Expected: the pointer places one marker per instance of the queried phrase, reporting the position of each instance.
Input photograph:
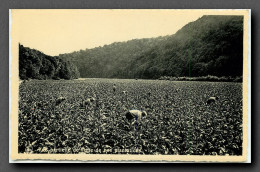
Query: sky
(56, 32)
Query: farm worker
(212, 100)
(135, 114)
(114, 87)
(86, 102)
(60, 100)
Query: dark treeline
(36, 65)
(211, 45)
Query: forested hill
(36, 65)
(211, 45)
(111, 60)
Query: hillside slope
(211, 45)
(110, 60)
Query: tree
(36, 65)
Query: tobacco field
(179, 122)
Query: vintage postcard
(130, 85)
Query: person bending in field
(114, 87)
(135, 115)
(212, 100)
(60, 100)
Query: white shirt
(136, 113)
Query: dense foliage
(36, 65)
(211, 45)
(178, 122)
(110, 60)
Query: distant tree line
(211, 45)
(36, 65)
(204, 78)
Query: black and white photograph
(121, 85)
